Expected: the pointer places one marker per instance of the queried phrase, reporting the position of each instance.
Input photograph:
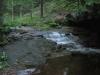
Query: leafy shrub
(3, 60)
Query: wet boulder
(60, 19)
(21, 29)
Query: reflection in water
(73, 65)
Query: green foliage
(85, 17)
(51, 7)
(3, 38)
(35, 21)
(92, 1)
(3, 60)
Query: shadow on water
(73, 65)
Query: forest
(44, 37)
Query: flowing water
(59, 54)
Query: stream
(53, 52)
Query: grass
(35, 21)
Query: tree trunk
(12, 11)
(41, 8)
(82, 2)
(1, 13)
(1, 22)
(21, 12)
(32, 9)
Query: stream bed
(50, 52)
